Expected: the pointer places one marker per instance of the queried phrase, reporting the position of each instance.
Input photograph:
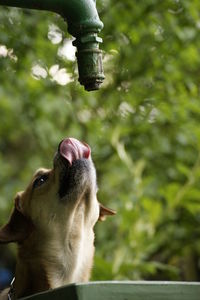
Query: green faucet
(84, 24)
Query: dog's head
(57, 198)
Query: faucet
(84, 24)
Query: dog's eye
(40, 180)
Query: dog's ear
(18, 227)
(105, 211)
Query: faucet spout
(84, 24)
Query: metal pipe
(84, 24)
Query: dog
(52, 223)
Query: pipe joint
(89, 58)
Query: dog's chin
(74, 179)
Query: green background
(142, 126)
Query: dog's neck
(30, 279)
(54, 262)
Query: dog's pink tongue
(72, 149)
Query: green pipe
(84, 24)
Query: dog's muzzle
(74, 164)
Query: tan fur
(56, 238)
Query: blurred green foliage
(142, 125)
